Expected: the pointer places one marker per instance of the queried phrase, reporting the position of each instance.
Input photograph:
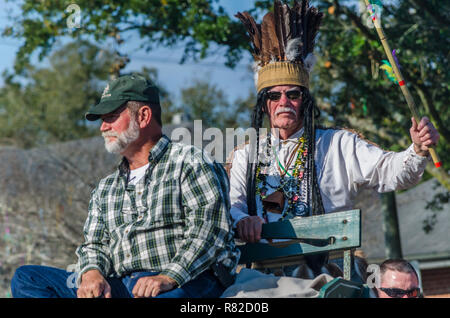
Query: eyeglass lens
(292, 95)
(395, 292)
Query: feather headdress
(283, 43)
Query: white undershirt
(137, 174)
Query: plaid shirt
(175, 220)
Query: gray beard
(123, 140)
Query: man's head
(398, 280)
(284, 107)
(129, 105)
(123, 126)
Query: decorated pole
(409, 99)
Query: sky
(172, 75)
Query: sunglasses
(292, 95)
(398, 293)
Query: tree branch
(356, 20)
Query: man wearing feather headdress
(298, 169)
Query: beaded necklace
(289, 186)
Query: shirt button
(128, 255)
(140, 217)
(139, 192)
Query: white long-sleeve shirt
(345, 164)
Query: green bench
(340, 231)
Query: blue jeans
(32, 281)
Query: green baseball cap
(121, 90)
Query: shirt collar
(154, 155)
(292, 138)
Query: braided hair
(257, 122)
(311, 114)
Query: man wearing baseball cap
(159, 226)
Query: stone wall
(44, 195)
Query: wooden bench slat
(345, 227)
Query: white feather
(293, 49)
(256, 67)
(309, 62)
